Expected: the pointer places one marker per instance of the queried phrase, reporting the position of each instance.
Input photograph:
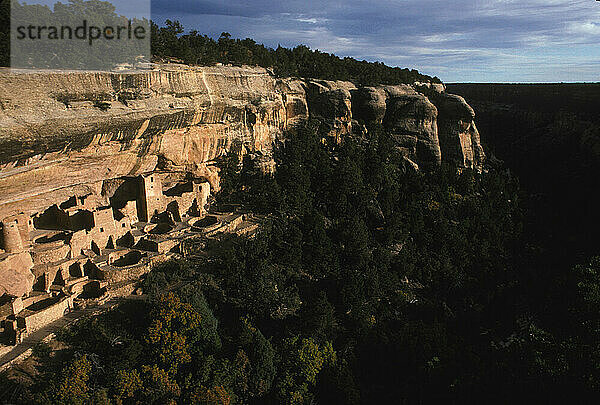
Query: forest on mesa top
(301, 61)
(171, 41)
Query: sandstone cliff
(75, 145)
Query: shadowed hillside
(549, 135)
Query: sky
(456, 40)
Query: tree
(303, 360)
(262, 359)
(73, 387)
(128, 383)
(174, 323)
(207, 339)
(214, 396)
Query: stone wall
(58, 249)
(33, 321)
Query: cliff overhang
(94, 164)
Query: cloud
(550, 40)
(585, 28)
(312, 20)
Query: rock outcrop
(86, 157)
(331, 103)
(459, 139)
(411, 118)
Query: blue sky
(457, 40)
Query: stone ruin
(84, 246)
(91, 198)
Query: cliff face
(105, 125)
(91, 135)
(460, 143)
(408, 115)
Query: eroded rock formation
(459, 138)
(102, 173)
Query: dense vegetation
(196, 49)
(549, 136)
(367, 284)
(48, 52)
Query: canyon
(105, 174)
